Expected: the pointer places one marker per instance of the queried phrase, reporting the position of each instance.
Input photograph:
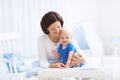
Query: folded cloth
(8, 55)
(14, 57)
(36, 64)
(32, 72)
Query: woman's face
(54, 29)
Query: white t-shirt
(45, 46)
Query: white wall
(105, 16)
(108, 22)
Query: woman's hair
(50, 18)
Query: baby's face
(65, 38)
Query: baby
(66, 49)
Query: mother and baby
(56, 47)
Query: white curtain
(23, 17)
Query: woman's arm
(42, 53)
(57, 65)
(77, 59)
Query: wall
(108, 22)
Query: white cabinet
(112, 67)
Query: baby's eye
(67, 37)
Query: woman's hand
(77, 59)
(57, 65)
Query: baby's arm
(54, 52)
(69, 59)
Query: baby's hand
(55, 53)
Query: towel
(32, 72)
(90, 64)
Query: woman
(51, 24)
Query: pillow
(79, 35)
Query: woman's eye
(53, 29)
(59, 27)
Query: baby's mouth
(64, 41)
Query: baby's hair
(66, 30)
